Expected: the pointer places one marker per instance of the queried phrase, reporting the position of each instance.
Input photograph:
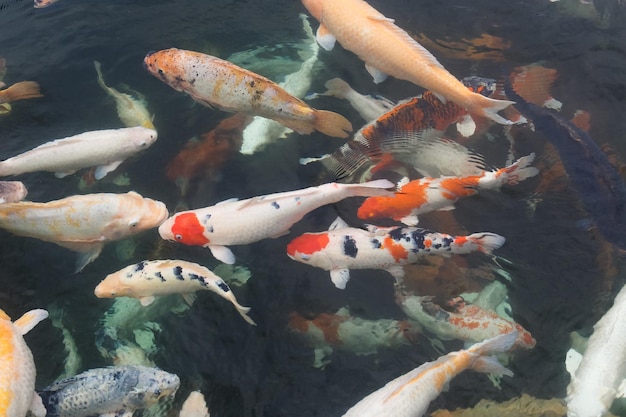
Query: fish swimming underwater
(342, 248)
(12, 191)
(83, 223)
(600, 375)
(410, 395)
(148, 279)
(132, 112)
(112, 391)
(599, 185)
(429, 194)
(17, 367)
(239, 222)
(105, 149)
(389, 50)
(20, 91)
(40, 4)
(213, 82)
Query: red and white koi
(83, 223)
(410, 394)
(342, 248)
(240, 222)
(429, 194)
(463, 321)
(17, 366)
(214, 82)
(148, 279)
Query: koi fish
(12, 191)
(83, 223)
(132, 112)
(116, 390)
(599, 185)
(410, 395)
(213, 82)
(239, 222)
(389, 50)
(342, 248)
(40, 4)
(411, 133)
(17, 367)
(461, 320)
(598, 380)
(148, 279)
(429, 194)
(20, 91)
(106, 149)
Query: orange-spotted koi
(214, 82)
(389, 50)
(463, 321)
(239, 222)
(17, 366)
(342, 248)
(410, 394)
(429, 194)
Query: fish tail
(20, 91)
(243, 311)
(331, 124)
(487, 242)
(485, 363)
(336, 87)
(489, 107)
(96, 64)
(520, 170)
(371, 188)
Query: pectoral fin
(63, 174)
(325, 38)
(410, 220)
(223, 254)
(466, 126)
(36, 406)
(102, 170)
(85, 257)
(189, 297)
(146, 301)
(376, 74)
(340, 277)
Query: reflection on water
(560, 275)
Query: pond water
(560, 274)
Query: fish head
(311, 248)
(135, 214)
(142, 137)
(113, 286)
(184, 227)
(314, 7)
(152, 385)
(168, 66)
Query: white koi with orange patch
(429, 194)
(17, 367)
(239, 222)
(214, 82)
(83, 223)
(410, 395)
(343, 248)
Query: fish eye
(133, 224)
(179, 237)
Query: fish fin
(330, 123)
(30, 320)
(381, 19)
(446, 208)
(378, 230)
(21, 91)
(336, 87)
(404, 181)
(223, 254)
(500, 343)
(397, 271)
(376, 74)
(490, 365)
(189, 297)
(63, 174)
(621, 390)
(572, 361)
(146, 301)
(230, 200)
(371, 188)
(487, 242)
(340, 277)
(521, 169)
(338, 223)
(102, 170)
(325, 39)
(36, 406)
(489, 107)
(440, 97)
(306, 161)
(84, 258)
(243, 313)
(410, 220)
(466, 126)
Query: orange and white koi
(461, 320)
(239, 222)
(17, 366)
(410, 394)
(214, 82)
(342, 248)
(389, 50)
(83, 223)
(429, 194)
(148, 279)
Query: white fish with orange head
(105, 149)
(148, 279)
(214, 82)
(83, 223)
(389, 50)
(239, 222)
(17, 366)
(410, 394)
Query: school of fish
(408, 159)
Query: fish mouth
(145, 60)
